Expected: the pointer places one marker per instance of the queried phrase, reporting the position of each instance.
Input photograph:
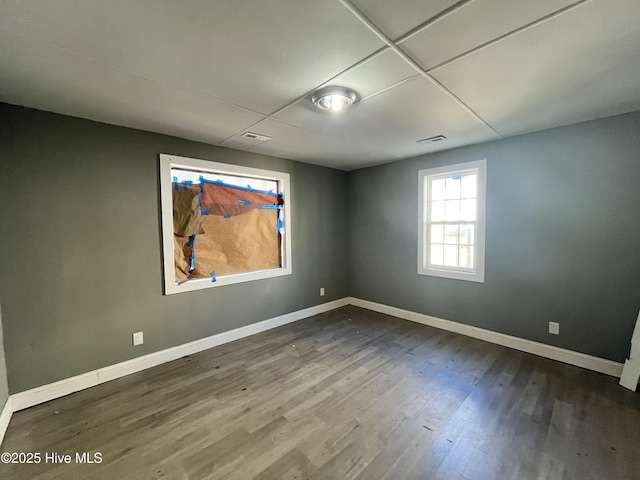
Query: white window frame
(167, 162)
(472, 275)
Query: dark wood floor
(350, 394)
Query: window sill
(452, 274)
(202, 283)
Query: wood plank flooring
(350, 394)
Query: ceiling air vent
(437, 138)
(256, 136)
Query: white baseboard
(630, 374)
(578, 359)
(5, 418)
(42, 394)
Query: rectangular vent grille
(437, 138)
(255, 136)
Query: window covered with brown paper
(187, 219)
(226, 230)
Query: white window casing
(451, 221)
(169, 165)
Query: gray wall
(562, 240)
(4, 387)
(81, 258)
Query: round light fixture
(334, 99)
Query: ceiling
(472, 70)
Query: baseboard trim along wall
(35, 396)
(42, 394)
(578, 359)
(5, 418)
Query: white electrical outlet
(554, 328)
(322, 291)
(138, 339)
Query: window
(452, 221)
(222, 224)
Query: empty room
(335, 239)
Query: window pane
(452, 210)
(451, 230)
(194, 177)
(452, 188)
(466, 256)
(437, 234)
(468, 188)
(227, 224)
(467, 234)
(451, 234)
(437, 189)
(468, 210)
(437, 254)
(451, 255)
(437, 211)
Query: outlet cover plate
(138, 339)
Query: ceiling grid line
(471, 70)
(432, 21)
(374, 28)
(352, 67)
(390, 87)
(510, 34)
(311, 131)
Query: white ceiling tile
(398, 17)
(260, 55)
(383, 71)
(475, 24)
(377, 74)
(396, 119)
(208, 71)
(77, 87)
(238, 142)
(317, 147)
(582, 65)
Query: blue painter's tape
(269, 206)
(213, 276)
(175, 183)
(203, 211)
(244, 202)
(192, 257)
(226, 215)
(235, 187)
(280, 225)
(456, 177)
(186, 184)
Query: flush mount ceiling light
(334, 99)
